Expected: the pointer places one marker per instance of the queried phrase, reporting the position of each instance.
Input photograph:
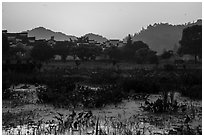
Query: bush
(105, 77)
(194, 92)
(145, 85)
(162, 105)
(6, 94)
(58, 93)
(191, 84)
(169, 67)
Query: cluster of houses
(106, 44)
(22, 40)
(103, 45)
(15, 38)
(25, 42)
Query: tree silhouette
(141, 55)
(5, 45)
(114, 53)
(145, 55)
(129, 41)
(86, 52)
(62, 48)
(167, 54)
(17, 49)
(132, 47)
(191, 42)
(41, 52)
(138, 45)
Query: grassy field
(125, 118)
(109, 65)
(118, 106)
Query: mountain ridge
(162, 36)
(96, 37)
(158, 36)
(44, 33)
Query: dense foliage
(41, 51)
(191, 42)
(113, 86)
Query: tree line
(137, 51)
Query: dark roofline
(23, 33)
(31, 38)
(16, 34)
(12, 34)
(114, 40)
(41, 40)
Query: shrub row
(62, 91)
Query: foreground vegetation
(70, 81)
(86, 123)
(96, 88)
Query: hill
(163, 35)
(43, 33)
(96, 37)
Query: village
(101, 68)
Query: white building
(69, 58)
(188, 57)
(57, 57)
(114, 42)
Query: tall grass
(72, 125)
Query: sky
(112, 20)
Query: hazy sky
(112, 20)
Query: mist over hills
(163, 35)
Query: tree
(152, 57)
(129, 50)
(41, 51)
(141, 55)
(138, 45)
(191, 42)
(145, 55)
(16, 51)
(5, 45)
(86, 52)
(129, 41)
(114, 53)
(62, 48)
(167, 54)
(82, 52)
